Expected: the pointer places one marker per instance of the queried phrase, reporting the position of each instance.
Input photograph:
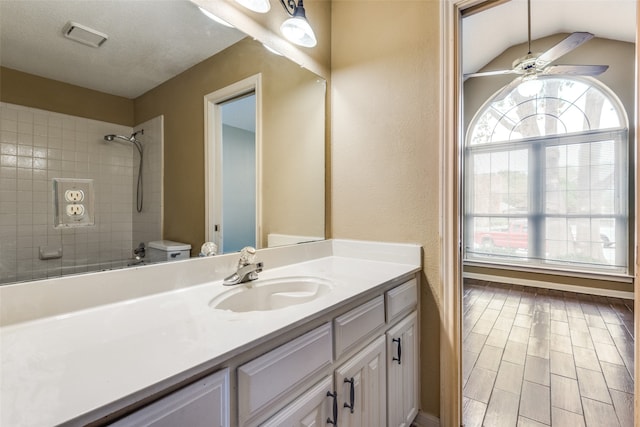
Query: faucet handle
(247, 256)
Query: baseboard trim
(426, 420)
(550, 285)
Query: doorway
(232, 165)
(237, 227)
(523, 361)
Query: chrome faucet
(247, 269)
(138, 255)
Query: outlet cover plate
(73, 211)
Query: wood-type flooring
(540, 357)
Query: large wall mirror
(93, 92)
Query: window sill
(566, 272)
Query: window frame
(536, 214)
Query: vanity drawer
(264, 381)
(401, 299)
(356, 324)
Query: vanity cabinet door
(402, 370)
(313, 408)
(204, 403)
(361, 387)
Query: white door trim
(212, 154)
(450, 346)
(636, 179)
(450, 207)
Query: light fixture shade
(214, 17)
(529, 87)
(260, 6)
(272, 50)
(297, 30)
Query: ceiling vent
(83, 34)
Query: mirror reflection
(61, 99)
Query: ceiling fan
(534, 64)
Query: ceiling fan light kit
(533, 65)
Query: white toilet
(167, 250)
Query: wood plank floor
(539, 357)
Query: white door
(361, 387)
(402, 372)
(311, 409)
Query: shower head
(132, 139)
(112, 137)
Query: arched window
(546, 177)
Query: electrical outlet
(73, 202)
(75, 210)
(73, 196)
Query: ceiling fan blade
(565, 46)
(507, 90)
(576, 70)
(489, 73)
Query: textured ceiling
(487, 34)
(149, 41)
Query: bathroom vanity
(169, 345)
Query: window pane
(602, 153)
(500, 182)
(483, 131)
(580, 179)
(602, 177)
(581, 241)
(602, 202)
(503, 237)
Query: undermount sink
(271, 294)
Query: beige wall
(29, 90)
(293, 187)
(293, 141)
(384, 143)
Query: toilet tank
(167, 250)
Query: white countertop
(57, 368)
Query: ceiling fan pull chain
(529, 24)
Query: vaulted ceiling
(487, 34)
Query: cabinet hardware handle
(334, 395)
(352, 394)
(399, 350)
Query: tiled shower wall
(37, 146)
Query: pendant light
(296, 29)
